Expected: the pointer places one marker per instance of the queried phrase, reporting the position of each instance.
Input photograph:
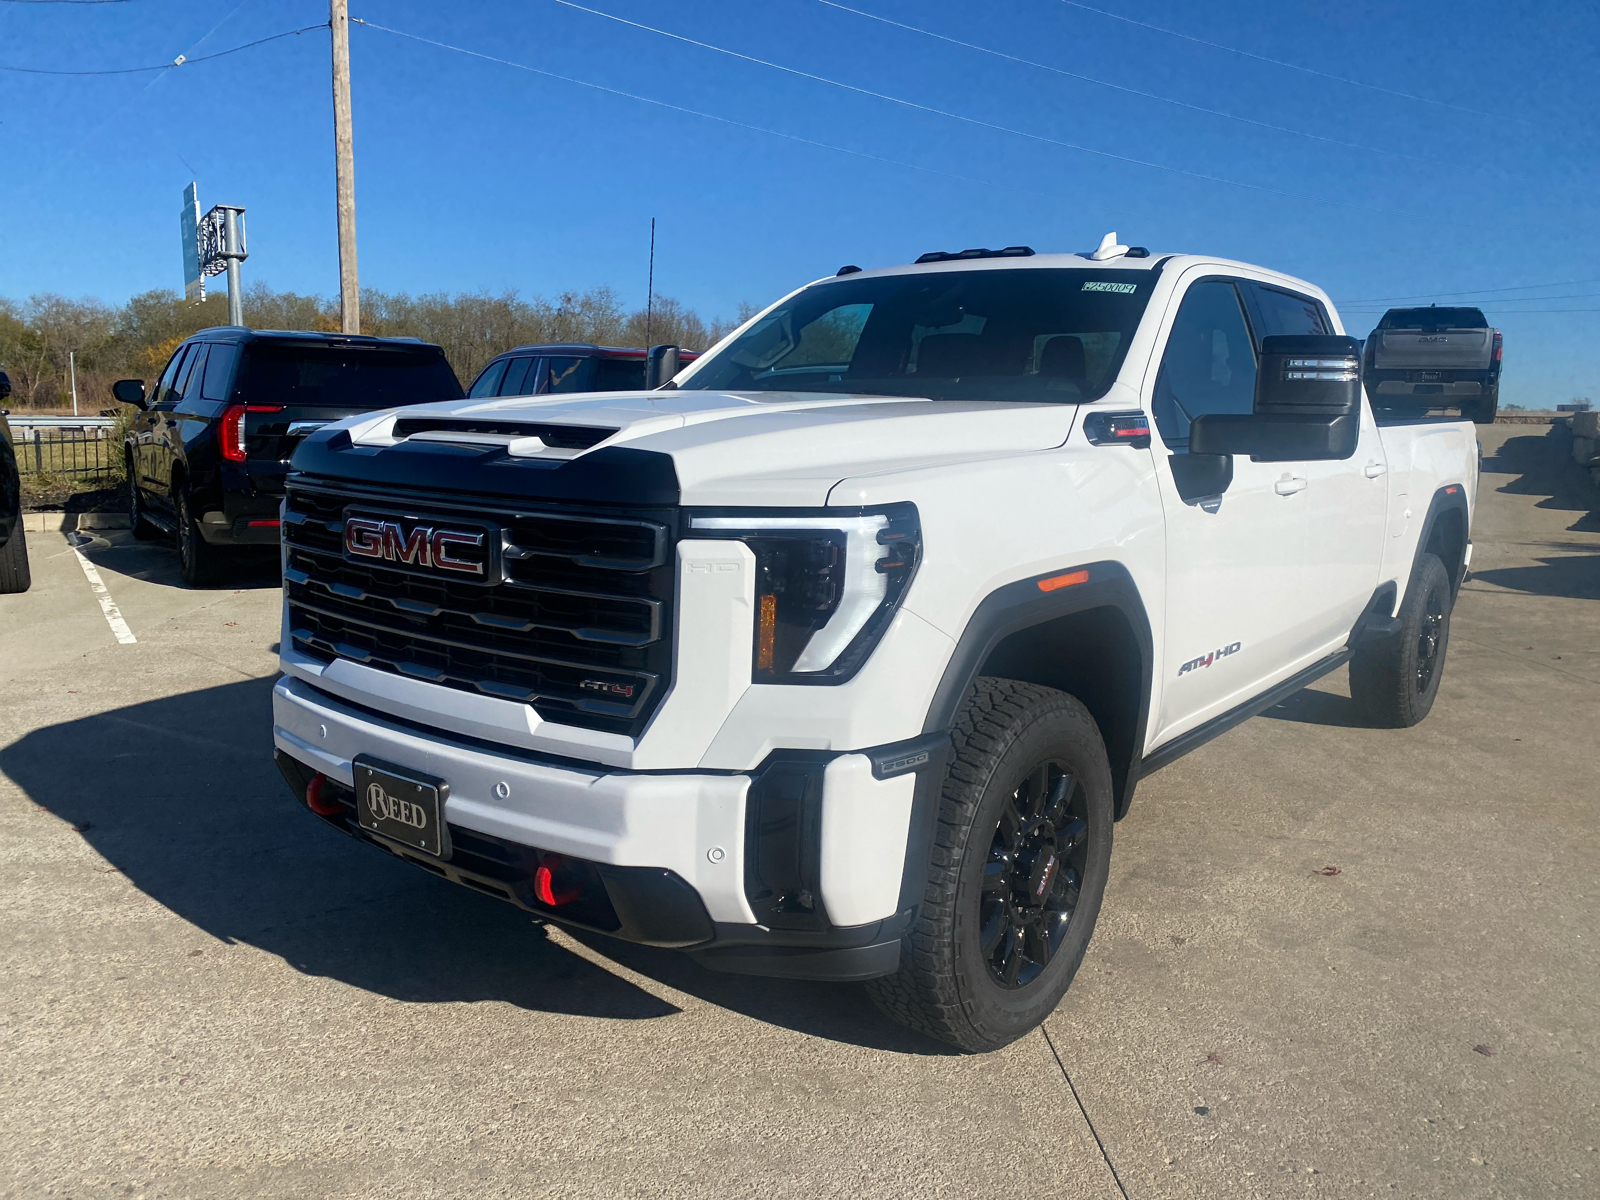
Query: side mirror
(660, 365)
(1307, 405)
(5, 386)
(129, 391)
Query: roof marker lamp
(827, 586)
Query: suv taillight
(230, 433)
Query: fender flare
(1450, 497)
(1026, 603)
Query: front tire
(137, 521)
(199, 562)
(14, 573)
(1020, 860)
(1394, 682)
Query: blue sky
(474, 175)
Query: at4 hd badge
(1205, 660)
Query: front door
(1236, 620)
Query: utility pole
(345, 155)
(72, 369)
(233, 251)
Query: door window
(519, 378)
(194, 369)
(488, 383)
(568, 375)
(1209, 365)
(164, 391)
(1288, 312)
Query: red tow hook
(544, 883)
(315, 802)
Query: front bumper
(796, 869)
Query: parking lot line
(108, 606)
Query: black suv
(568, 367)
(13, 543)
(208, 452)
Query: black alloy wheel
(1017, 871)
(1395, 679)
(141, 526)
(1430, 640)
(1034, 874)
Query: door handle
(1374, 469)
(1289, 485)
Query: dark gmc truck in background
(1438, 357)
(207, 455)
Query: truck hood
(764, 448)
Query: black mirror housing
(129, 391)
(660, 365)
(1306, 375)
(1275, 437)
(1307, 404)
(5, 386)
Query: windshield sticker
(1122, 289)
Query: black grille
(577, 622)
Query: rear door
(1235, 620)
(1346, 500)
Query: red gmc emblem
(424, 546)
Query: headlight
(827, 584)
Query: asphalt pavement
(1333, 961)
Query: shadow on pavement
(182, 797)
(1574, 576)
(1317, 708)
(248, 569)
(1544, 467)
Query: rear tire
(199, 562)
(1394, 681)
(14, 574)
(1020, 859)
(1484, 409)
(137, 521)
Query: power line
(65, 1)
(180, 61)
(1037, 137)
(694, 112)
(1131, 91)
(1291, 66)
(1521, 287)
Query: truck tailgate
(1457, 349)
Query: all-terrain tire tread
(923, 993)
(15, 575)
(1381, 676)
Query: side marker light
(1056, 582)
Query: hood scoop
(520, 439)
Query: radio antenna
(650, 287)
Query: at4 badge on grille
(453, 549)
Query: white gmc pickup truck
(839, 655)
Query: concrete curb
(61, 522)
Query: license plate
(403, 805)
(1429, 376)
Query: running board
(1170, 752)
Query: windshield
(1033, 334)
(348, 377)
(1433, 318)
